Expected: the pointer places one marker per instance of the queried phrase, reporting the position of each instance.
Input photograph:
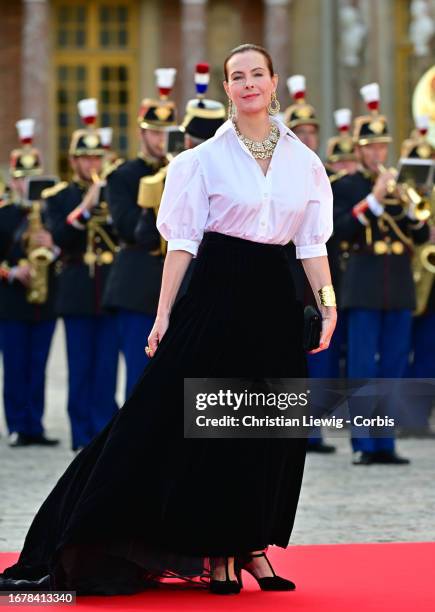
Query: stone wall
(10, 77)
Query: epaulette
(338, 175)
(52, 191)
(112, 167)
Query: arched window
(95, 55)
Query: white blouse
(218, 186)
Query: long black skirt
(140, 501)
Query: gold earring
(231, 111)
(274, 105)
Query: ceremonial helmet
(111, 160)
(106, 137)
(299, 113)
(26, 160)
(341, 147)
(87, 140)
(203, 116)
(417, 145)
(371, 127)
(162, 113)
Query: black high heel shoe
(267, 583)
(224, 587)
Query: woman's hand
(158, 331)
(329, 321)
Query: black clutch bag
(312, 328)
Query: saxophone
(39, 258)
(424, 267)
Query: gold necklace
(260, 149)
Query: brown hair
(249, 47)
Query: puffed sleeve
(316, 225)
(184, 206)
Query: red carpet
(329, 578)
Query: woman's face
(250, 85)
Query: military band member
(301, 118)
(202, 116)
(340, 161)
(81, 225)
(27, 316)
(201, 120)
(134, 284)
(341, 158)
(377, 288)
(416, 421)
(110, 159)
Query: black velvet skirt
(140, 501)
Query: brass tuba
(39, 258)
(424, 267)
(149, 196)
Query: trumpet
(97, 178)
(100, 215)
(100, 207)
(406, 195)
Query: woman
(140, 501)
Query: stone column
(193, 45)
(354, 37)
(277, 41)
(35, 74)
(329, 77)
(381, 63)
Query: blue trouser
(378, 347)
(417, 414)
(92, 351)
(134, 329)
(326, 364)
(26, 346)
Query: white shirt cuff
(180, 244)
(375, 206)
(311, 250)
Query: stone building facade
(55, 51)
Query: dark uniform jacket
(79, 288)
(337, 255)
(335, 259)
(146, 237)
(13, 302)
(371, 280)
(135, 278)
(431, 301)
